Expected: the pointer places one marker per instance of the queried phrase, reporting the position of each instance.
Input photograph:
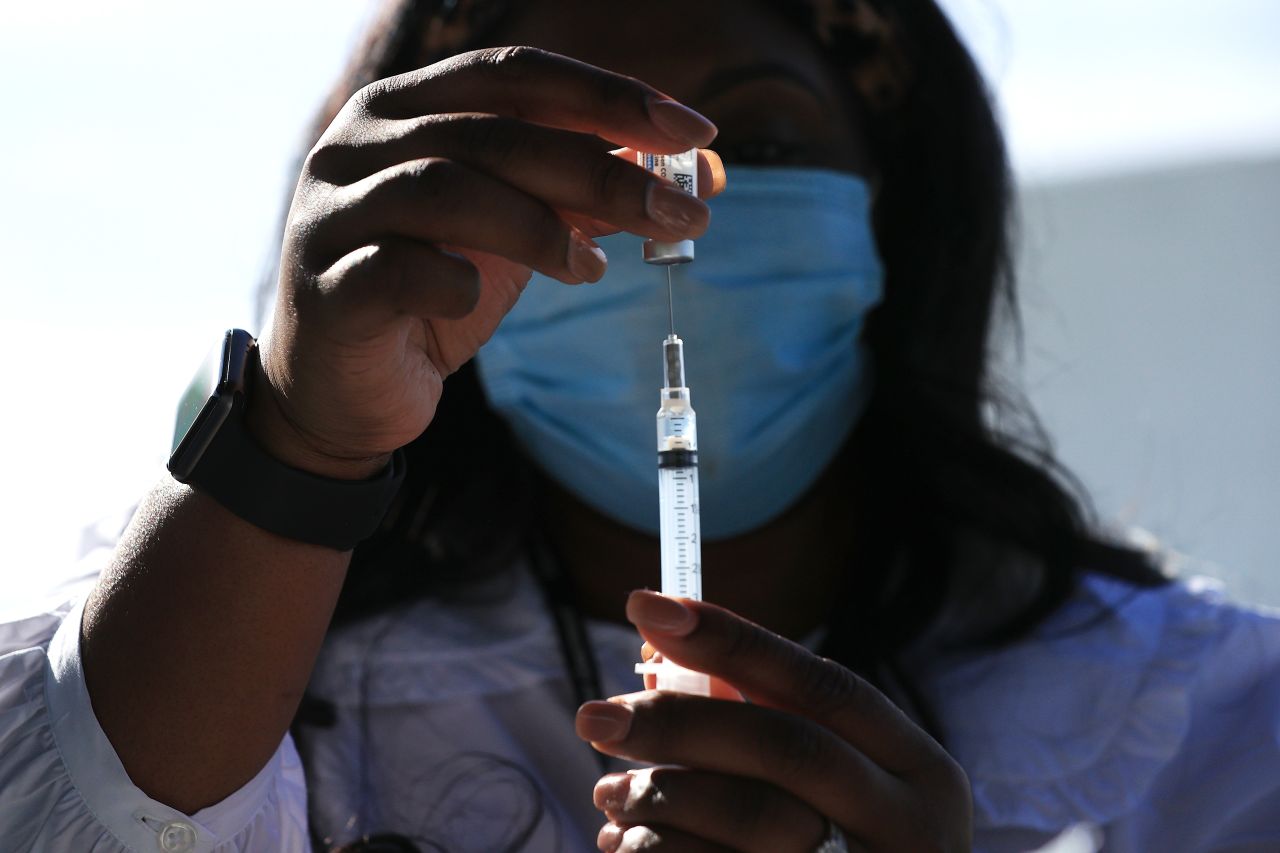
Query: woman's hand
(417, 220)
(812, 743)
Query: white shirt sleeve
(62, 786)
(1222, 791)
(1149, 716)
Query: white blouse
(1156, 727)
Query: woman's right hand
(417, 221)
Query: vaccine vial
(682, 170)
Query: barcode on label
(684, 181)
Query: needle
(671, 309)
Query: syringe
(679, 527)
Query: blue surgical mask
(770, 313)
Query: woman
(879, 513)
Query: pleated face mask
(770, 312)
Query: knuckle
(312, 228)
(613, 89)
(427, 136)
(650, 790)
(661, 719)
(741, 641)
(365, 99)
(424, 127)
(511, 61)
(826, 687)
(384, 271)
(326, 159)
(431, 179)
(751, 810)
(550, 238)
(385, 267)
(495, 136)
(791, 750)
(606, 178)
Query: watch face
(209, 399)
(200, 389)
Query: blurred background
(147, 148)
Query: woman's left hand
(813, 743)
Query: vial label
(681, 169)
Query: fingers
(568, 171)
(531, 122)
(398, 275)
(544, 88)
(720, 689)
(439, 201)
(778, 673)
(743, 814)
(754, 742)
(502, 145)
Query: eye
(762, 152)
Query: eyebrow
(719, 82)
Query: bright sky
(147, 146)
(1111, 85)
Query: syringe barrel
(681, 548)
(680, 530)
(679, 527)
(677, 423)
(682, 170)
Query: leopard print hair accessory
(864, 42)
(859, 36)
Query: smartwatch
(215, 454)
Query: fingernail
(718, 177)
(610, 793)
(586, 261)
(681, 123)
(672, 208)
(659, 613)
(602, 722)
(609, 838)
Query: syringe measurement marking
(686, 571)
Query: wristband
(218, 457)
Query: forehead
(677, 46)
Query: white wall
(1152, 308)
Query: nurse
(389, 598)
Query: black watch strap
(241, 475)
(221, 459)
